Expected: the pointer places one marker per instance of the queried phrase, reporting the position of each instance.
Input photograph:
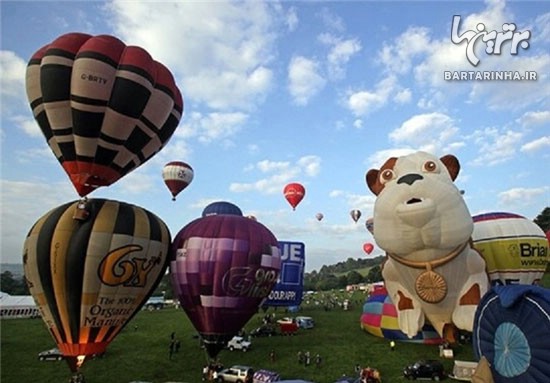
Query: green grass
(142, 354)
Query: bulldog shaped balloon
(424, 225)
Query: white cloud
(292, 19)
(403, 96)
(12, 81)
(397, 57)
(365, 101)
(305, 80)
(278, 174)
(520, 196)
(341, 51)
(536, 145)
(495, 146)
(220, 54)
(331, 21)
(532, 118)
(430, 132)
(212, 126)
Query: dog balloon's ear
(452, 165)
(372, 181)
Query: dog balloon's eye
(387, 175)
(430, 166)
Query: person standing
(318, 360)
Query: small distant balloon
(369, 224)
(319, 216)
(177, 176)
(355, 215)
(368, 247)
(294, 193)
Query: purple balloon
(222, 268)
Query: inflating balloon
(177, 176)
(221, 207)
(294, 193)
(514, 248)
(319, 216)
(222, 268)
(355, 215)
(379, 318)
(104, 108)
(89, 276)
(368, 247)
(511, 328)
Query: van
(305, 322)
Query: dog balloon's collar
(430, 286)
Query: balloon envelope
(514, 248)
(355, 215)
(379, 318)
(369, 224)
(294, 193)
(368, 247)
(319, 216)
(222, 268)
(511, 327)
(177, 176)
(104, 108)
(89, 277)
(221, 207)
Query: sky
(310, 92)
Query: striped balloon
(177, 176)
(379, 318)
(104, 108)
(90, 276)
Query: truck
(154, 303)
(239, 343)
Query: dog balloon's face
(418, 206)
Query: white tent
(17, 306)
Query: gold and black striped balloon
(90, 276)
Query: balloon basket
(81, 212)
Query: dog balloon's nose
(410, 178)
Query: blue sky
(309, 92)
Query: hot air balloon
(104, 108)
(319, 216)
(222, 268)
(511, 327)
(221, 207)
(177, 176)
(89, 276)
(368, 247)
(355, 215)
(514, 248)
(369, 224)
(294, 193)
(379, 318)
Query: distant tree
(543, 219)
(328, 282)
(354, 277)
(343, 281)
(375, 274)
(12, 285)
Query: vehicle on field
(154, 303)
(286, 320)
(239, 343)
(51, 354)
(235, 374)
(288, 328)
(305, 322)
(264, 330)
(425, 369)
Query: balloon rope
(429, 265)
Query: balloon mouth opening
(81, 212)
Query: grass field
(143, 354)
